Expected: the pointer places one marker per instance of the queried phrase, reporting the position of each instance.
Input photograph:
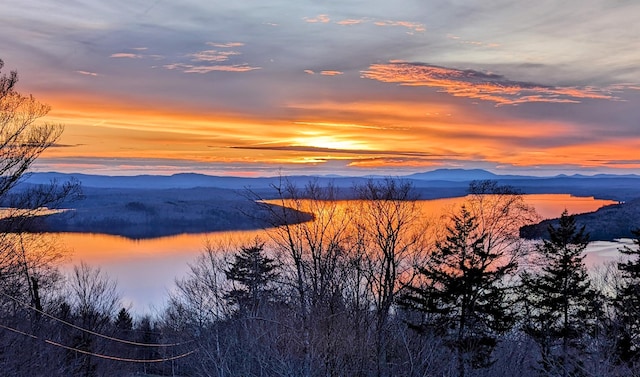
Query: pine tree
(254, 272)
(627, 305)
(559, 300)
(462, 295)
(123, 322)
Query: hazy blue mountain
(453, 175)
(432, 184)
(182, 180)
(462, 175)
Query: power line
(93, 332)
(107, 357)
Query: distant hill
(149, 213)
(606, 224)
(433, 184)
(181, 180)
(459, 175)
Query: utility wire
(93, 332)
(107, 357)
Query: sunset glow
(307, 88)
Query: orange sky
(310, 88)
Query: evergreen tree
(253, 272)
(462, 295)
(627, 305)
(559, 301)
(123, 322)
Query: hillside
(606, 224)
(144, 213)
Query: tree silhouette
(123, 322)
(559, 301)
(627, 305)
(254, 272)
(462, 295)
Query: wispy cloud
(331, 73)
(200, 61)
(213, 55)
(127, 55)
(321, 18)
(226, 45)
(325, 19)
(310, 72)
(480, 85)
(87, 73)
(311, 149)
(190, 68)
(352, 21)
(407, 162)
(414, 26)
(472, 42)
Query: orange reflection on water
(100, 248)
(552, 205)
(146, 269)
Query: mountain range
(432, 184)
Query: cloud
(190, 68)
(321, 18)
(200, 61)
(352, 21)
(212, 55)
(415, 26)
(397, 162)
(325, 19)
(87, 73)
(127, 55)
(311, 149)
(473, 43)
(58, 145)
(480, 85)
(324, 73)
(226, 45)
(331, 73)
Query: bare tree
(23, 138)
(501, 211)
(314, 258)
(28, 261)
(389, 219)
(93, 300)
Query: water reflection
(146, 269)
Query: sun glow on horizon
(330, 142)
(359, 137)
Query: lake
(146, 269)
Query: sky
(251, 88)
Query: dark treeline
(373, 288)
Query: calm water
(146, 269)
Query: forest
(373, 289)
